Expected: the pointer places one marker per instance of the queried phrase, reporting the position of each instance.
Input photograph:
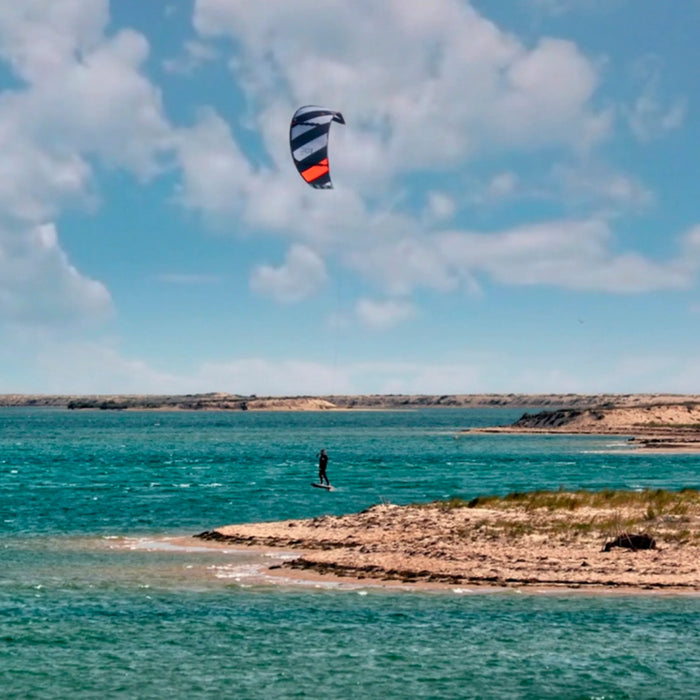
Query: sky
(515, 204)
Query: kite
(308, 141)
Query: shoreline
(549, 541)
(638, 443)
(280, 574)
(223, 401)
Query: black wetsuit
(322, 464)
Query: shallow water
(98, 599)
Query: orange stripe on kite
(315, 171)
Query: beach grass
(653, 501)
(572, 515)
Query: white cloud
(42, 38)
(569, 254)
(444, 85)
(81, 96)
(439, 83)
(401, 266)
(302, 274)
(85, 93)
(38, 285)
(215, 171)
(440, 206)
(385, 313)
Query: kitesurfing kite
(308, 141)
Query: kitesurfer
(322, 465)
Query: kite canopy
(308, 141)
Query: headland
(652, 426)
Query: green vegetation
(654, 502)
(568, 516)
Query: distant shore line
(221, 401)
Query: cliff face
(677, 417)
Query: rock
(631, 541)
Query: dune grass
(654, 501)
(570, 515)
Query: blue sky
(515, 205)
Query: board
(322, 486)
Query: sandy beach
(554, 540)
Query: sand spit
(655, 426)
(556, 541)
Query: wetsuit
(322, 464)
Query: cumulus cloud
(85, 92)
(215, 172)
(443, 83)
(81, 96)
(302, 274)
(38, 284)
(41, 38)
(442, 88)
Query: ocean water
(100, 596)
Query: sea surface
(100, 597)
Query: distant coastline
(220, 401)
(653, 422)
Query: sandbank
(538, 542)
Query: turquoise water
(99, 597)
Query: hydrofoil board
(328, 487)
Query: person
(322, 464)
